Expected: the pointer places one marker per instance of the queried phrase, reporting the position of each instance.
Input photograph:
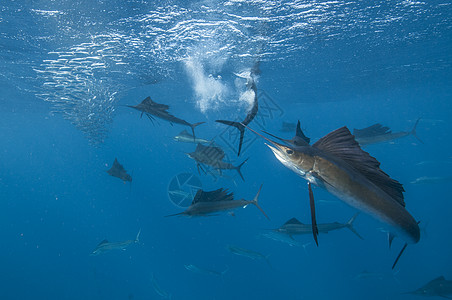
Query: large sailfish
(337, 163)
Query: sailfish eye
(288, 151)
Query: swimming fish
(206, 203)
(185, 137)
(438, 287)
(295, 227)
(117, 170)
(106, 246)
(248, 253)
(378, 133)
(154, 109)
(337, 163)
(213, 156)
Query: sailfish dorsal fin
(342, 144)
(438, 279)
(148, 101)
(103, 242)
(213, 196)
(299, 134)
(185, 133)
(293, 221)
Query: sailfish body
(338, 164)
(151, 108)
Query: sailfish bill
(337, 163)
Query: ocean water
(69, 68)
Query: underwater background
(69, 68)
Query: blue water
(67, 69)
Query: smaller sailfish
(438, 287)
(294, 227)
(206, 203)
(213, 156)
(117, 170)
(153, 109)
(106, 246)
(378, 133)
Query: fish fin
(413, 131)
(299, 133)
(293, 221)
(439, 278)
(239, 167)
(193, 126)
(315, 229)
(150, 117)
(213, 196)
(255, 202)
(137, 239)
(398, 256)
(351, 228)
(391, 237)
(155, 105)
(103, 242)
(342, 144)
(237, 125)
(444, 296)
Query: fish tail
(137, 239)
(193, 128)
(413, 131)
(237, 125)
(351, 228)
(240, 166)
(255, 202)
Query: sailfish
(153, 109)
(337, 163)
(251, 86)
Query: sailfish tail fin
(255, 202)
(351, 228)
(239, 167)
(193, 126)
(237, 125)
(413, 131)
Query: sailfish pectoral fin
(315, 229)
(151, 118)
(398, 256)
